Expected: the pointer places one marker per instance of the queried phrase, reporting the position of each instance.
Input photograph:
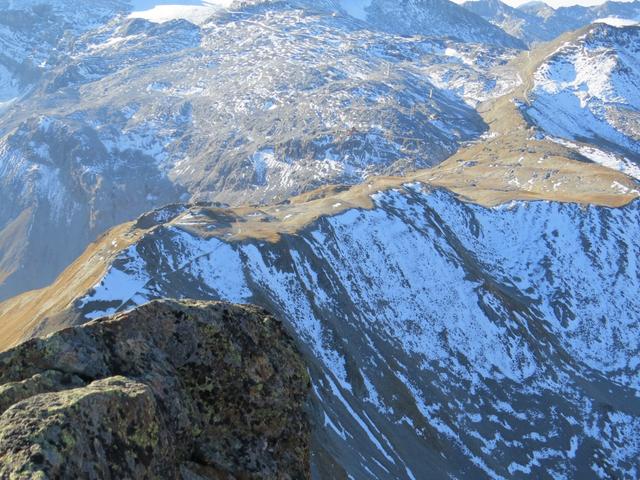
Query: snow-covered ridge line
(446, 298)
(539, 22)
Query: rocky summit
(188, 390)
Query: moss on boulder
(169, 390)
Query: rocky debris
(169, 390)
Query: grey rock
(169, 390)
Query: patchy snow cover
(612, 161)
(588, 90)
(608, 159)
(452, 52)
(488, 329)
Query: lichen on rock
(169, 390)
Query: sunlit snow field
(196, 11)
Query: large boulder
(169, 390)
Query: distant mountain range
(536, 21)
(434, 18)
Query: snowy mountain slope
(587, 90)
(31, 32)
(59, 190)
(444, 338)
(515, 160)
(432, 17)
(252, 106)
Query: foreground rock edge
(169, 390)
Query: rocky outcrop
(170, 390)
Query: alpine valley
(438, 201)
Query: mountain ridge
(447, 229)
(512, 163)
(465, 247)
(139, 138)
(535, 22)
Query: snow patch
(195, 11)
(617, 22)
(356, 8)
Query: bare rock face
(170, 390)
